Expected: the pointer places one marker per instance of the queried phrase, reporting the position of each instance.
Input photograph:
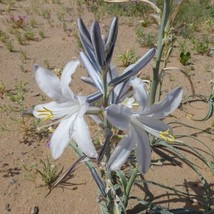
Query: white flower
(146, 119)
(128, 101)
(66, 108)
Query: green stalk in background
(160, 48)
(166, 39)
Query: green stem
(105, 87)
(160, 48)
(80, 153)
(107, 176)
(129, 185)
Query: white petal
(133, 69)
(170, 102)
(152, 125)
(55, 110)
(60, 138)
(120, 90)
(48, 82)
(68, 70)
(119, 116)
(121, 152)
(140, 93)
(82, 137)
(94, 74)
(84, 105)
(128, 102)
(143, 149)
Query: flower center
(47, 113)
(166, 136)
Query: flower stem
(129, 185)
(160, 48)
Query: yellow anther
(166, 136)
(47, 113)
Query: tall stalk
(160, 48)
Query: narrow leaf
(123, 179)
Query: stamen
(166, 136)
(47, 113)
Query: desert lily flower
(96, 58)
(67, 109)
(146, 119)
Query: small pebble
(192, 68)
(34, 210)
(7, 207)
(12, 180)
